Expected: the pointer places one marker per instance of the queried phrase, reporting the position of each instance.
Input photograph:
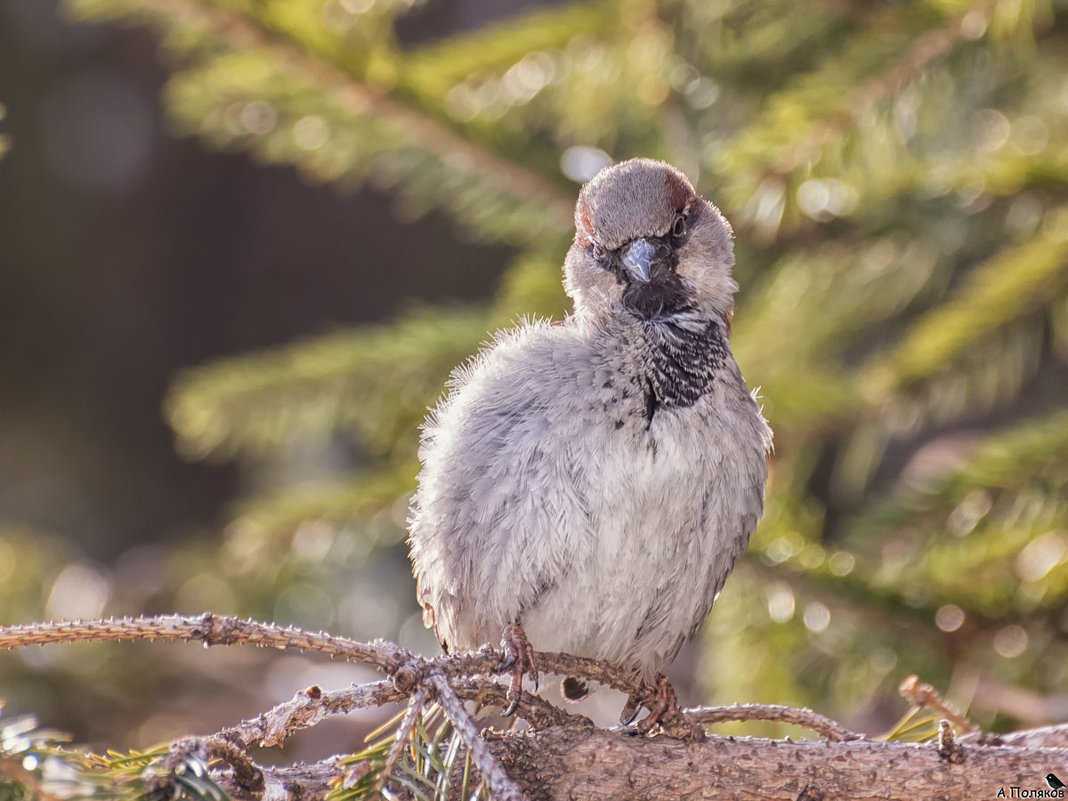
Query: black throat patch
(664, 295)
(682, 355)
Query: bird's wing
(501, 499)
(737, 512)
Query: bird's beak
(638, 260)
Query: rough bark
(570, 764)
(565, 756)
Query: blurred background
(243, 242)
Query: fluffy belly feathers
(658, 539)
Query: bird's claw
(666, 704)
(519, 657)
(664, 713)
(630, 710)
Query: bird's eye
(599, 253)
(679, 228)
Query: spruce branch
(1012, 283)
(207, 628)
(565, 756)
(924, 696)
(191, 755)
(501, 786)
(365, 99)
(405, 668)
(400, 737)
(602, 765)
(307, 708)
(806, 718)
(12, 768)
(908, 66)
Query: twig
(291, 782)
(400, 739)
(209, 629)
(306, 709)
(406, 668)
(560, 759)
(312, 705)
(805, 718)
(925, 696)
(500, 784)
(247, 775)
(407, 671)
(532, 708)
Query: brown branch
(294, 782)
(400, 739)
(406, 669)
(313, 705)
(500, 784)
(558, 764)
(566, 757)
(209, 629)
(805, 718)
(408, 673)
(308, 708)
(924, 696)
(532, 708)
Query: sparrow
(587, 485)
(1054, 782)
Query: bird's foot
(664, 712)
(665, 705)
(519, 656)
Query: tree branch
(500, 784)
(209, 629)
(406, 669)
(556, 764)
(564, 756)
(806, 718)
(926, 48)
(922, 695)
(400, 738)
(364, 99)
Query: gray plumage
(596, 480)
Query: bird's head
(647, 244)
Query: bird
(1054, 782)
(587, 485)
